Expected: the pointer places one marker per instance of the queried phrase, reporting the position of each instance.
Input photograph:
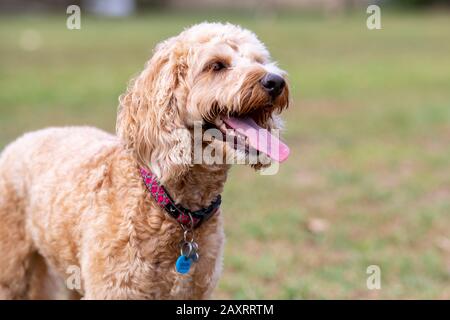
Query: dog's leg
(46, 284)
(113, 276)
(15, 245)
(100, 285)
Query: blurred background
(368, 182)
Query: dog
(87, 214)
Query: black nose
(273, 84)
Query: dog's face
(213, 75)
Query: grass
(369, 131)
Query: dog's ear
(148, 119)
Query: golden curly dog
(75, 196)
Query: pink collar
(184, 216)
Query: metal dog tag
(183, 264)
(188, 255)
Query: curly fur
(74, 196)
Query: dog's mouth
(245, 134)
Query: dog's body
(91, 211)
(73, 202)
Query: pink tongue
(259, 138)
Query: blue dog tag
(183, 264)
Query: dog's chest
(162, 281)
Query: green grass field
(368, 182)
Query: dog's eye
(217, 66)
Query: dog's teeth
(230, 132)
(223, 127)
(240, 135)
(218, 122)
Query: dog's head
(218, 77)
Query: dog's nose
(273, 84)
